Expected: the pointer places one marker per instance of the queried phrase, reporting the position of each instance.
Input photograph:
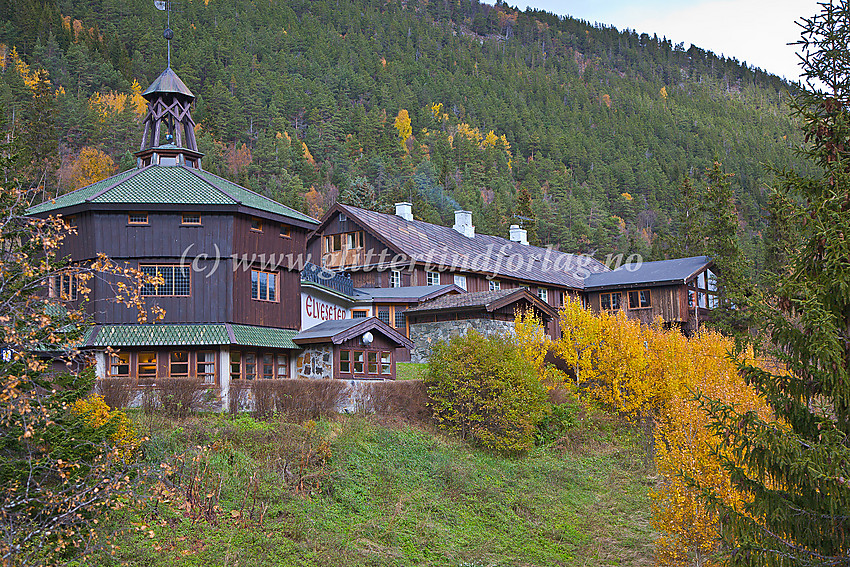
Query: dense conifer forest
(581, 132)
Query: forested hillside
(510, 114)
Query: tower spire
(169, 130)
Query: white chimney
(463, 223)
(519, 234)
(404, 210)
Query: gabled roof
(341, 330)
(663, 272)
(168, 185)
(167, 82)
(483, 300)
(410, 294)
(441, 245)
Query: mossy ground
(389, 494)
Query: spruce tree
(794, 473)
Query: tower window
(191, 218)
(137, 218)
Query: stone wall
(426, 335)
(315, 362)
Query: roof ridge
(114, 185)
(207, 181)
(260, 195)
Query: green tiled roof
(160, 335)
(169, 185)
(192, 335)
(263, 336)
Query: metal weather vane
(168, 34)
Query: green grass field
(387, 494)
(410, 371)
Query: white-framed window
(543, 294)
(395, 278)
(176, 279)
(432, 278)
(495, 285)
(460, 281)
(342, 217)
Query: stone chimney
(463, 223)
(404, 210)
(519, 234)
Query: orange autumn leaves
(652, 373)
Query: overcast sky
(755, 31)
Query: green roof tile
(169, 185)
(160, 335)
(192, 335)
(263, 336)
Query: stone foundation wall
(426, 335)
(316, 362)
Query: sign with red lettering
(315, 311)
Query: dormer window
(137, 218)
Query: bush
(556, 423)
(179, 396)
(406, 399)
(116, 392)
(300, 400)
(485, 390)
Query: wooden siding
(666, 303)
(284, 313)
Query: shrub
(116, 392)
(484, 390)
(406, 399)
(309, 399)
(179, 396)
(556, 423)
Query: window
(282, 365)
(178, 366)
(359, 313)
(495, 285)
(286, 231)
(137, 218)
(543, 294)
(609, 301)
(64, 286)
(386, 363)
(395, 278)
(191, 218)
(400, 321)
(333, 243)
(372, 366)
(384, 313)
(235, 365)
(146, 365)
(639, 299)
(460, 281)
(345, 362)
(176, 280)
(70, 222)
(432, 278)
(250, 366)
(263, 285)
(342, 217)
(352, 240)
(268, 367)
(256, 224)
(119, 365)
(205, 368)
(357, 355)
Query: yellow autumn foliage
(534, 343)
(653, 373)
(96, 413)
(90, 166)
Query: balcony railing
(328, 278)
